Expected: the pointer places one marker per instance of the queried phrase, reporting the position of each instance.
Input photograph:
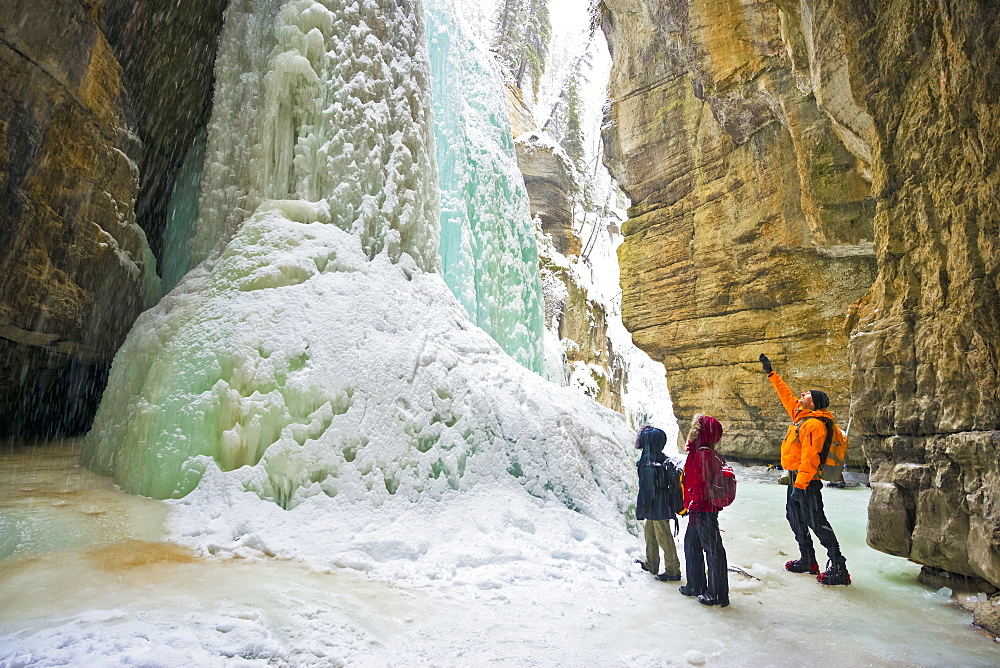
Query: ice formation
(182, 215)
(317, 350)
(487, 242)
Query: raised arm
(788, 399)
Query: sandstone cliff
(925, 343)
(751, 226)
(818, 180)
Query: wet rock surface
(98, 104)
(74, 264)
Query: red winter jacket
(701, 463)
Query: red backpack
(721, 485)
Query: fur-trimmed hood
(705, 431)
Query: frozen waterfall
(487, 241)
(316, 348)
(487, 244)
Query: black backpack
(668, 481)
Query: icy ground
(487, 577)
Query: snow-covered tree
(523, 32)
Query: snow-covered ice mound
(317, 352)
(319, 371)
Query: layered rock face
(548, 176)
(74, 264)
(751, 225)
(925, 343)
(578, 321)
(84, 143)
(765, 147)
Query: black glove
(766, 363)
(797, 495)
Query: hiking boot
(687, 591)
(705, 599)
(800, 566)
(666, 577)
(834, 575)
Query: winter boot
(705, 599)
(667, 577)
(643, 566)
(834, 575)
(802, 566)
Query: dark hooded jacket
(702, 463)
(652, 503)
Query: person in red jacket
(702, 539)
(800, 455)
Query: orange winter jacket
(804, 440)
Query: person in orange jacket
(800, 455)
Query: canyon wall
(576, 319)
(925, 341)
(98, 104)
(818, 181)
(751, 225)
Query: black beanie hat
(820, 399)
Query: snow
(403, 397)
(491, 575)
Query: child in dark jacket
(703, 540)
(652, 505)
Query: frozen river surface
(94, 577)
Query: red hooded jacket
(700, 465)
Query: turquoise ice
(487, 241)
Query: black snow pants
(703, 541)
(807, 513)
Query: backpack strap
(827, 442)
(718, 458)
(720, 461)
